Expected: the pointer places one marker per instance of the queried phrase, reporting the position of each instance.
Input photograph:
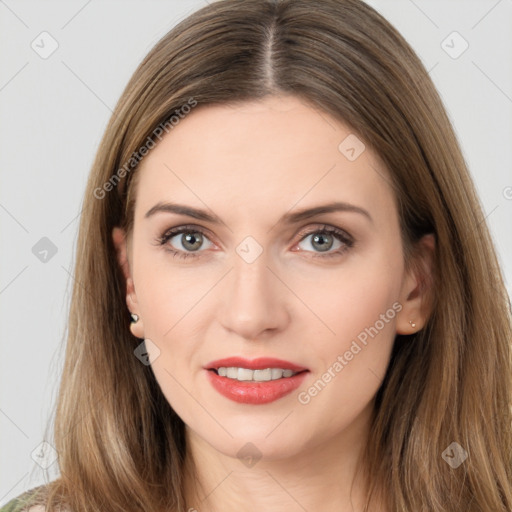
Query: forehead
(257, 156)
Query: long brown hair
(120, 444)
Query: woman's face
(259, 278)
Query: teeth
(276, 373)
(262, 375)
(232, 373)
(244, 374)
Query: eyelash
(340, 235)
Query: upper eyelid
(178, 230)
(318, 226)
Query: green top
(22, 502)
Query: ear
(417, 288)
(121, 246)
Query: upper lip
(259, 363)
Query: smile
(257, 381)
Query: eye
(324, 239)
(189, 240)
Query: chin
(257, 442)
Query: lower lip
(255, 392)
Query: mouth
(256, 381)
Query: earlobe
(136, 326)
(417, 289)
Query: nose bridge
(253, 297)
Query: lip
(254, 364)
(255, 393)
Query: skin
(250, 164)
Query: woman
(318, 320)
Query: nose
(254, 300)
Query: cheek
(173, 300)
(351, 297)
(167, 292)
(172, 314)
(360, 304)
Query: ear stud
(135, 318)
(413, 325)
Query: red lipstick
(251, 391)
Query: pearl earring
(135, 318)
(413, 325)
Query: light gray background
(53, 112)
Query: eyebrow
(287, 218)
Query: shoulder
(25, 502)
